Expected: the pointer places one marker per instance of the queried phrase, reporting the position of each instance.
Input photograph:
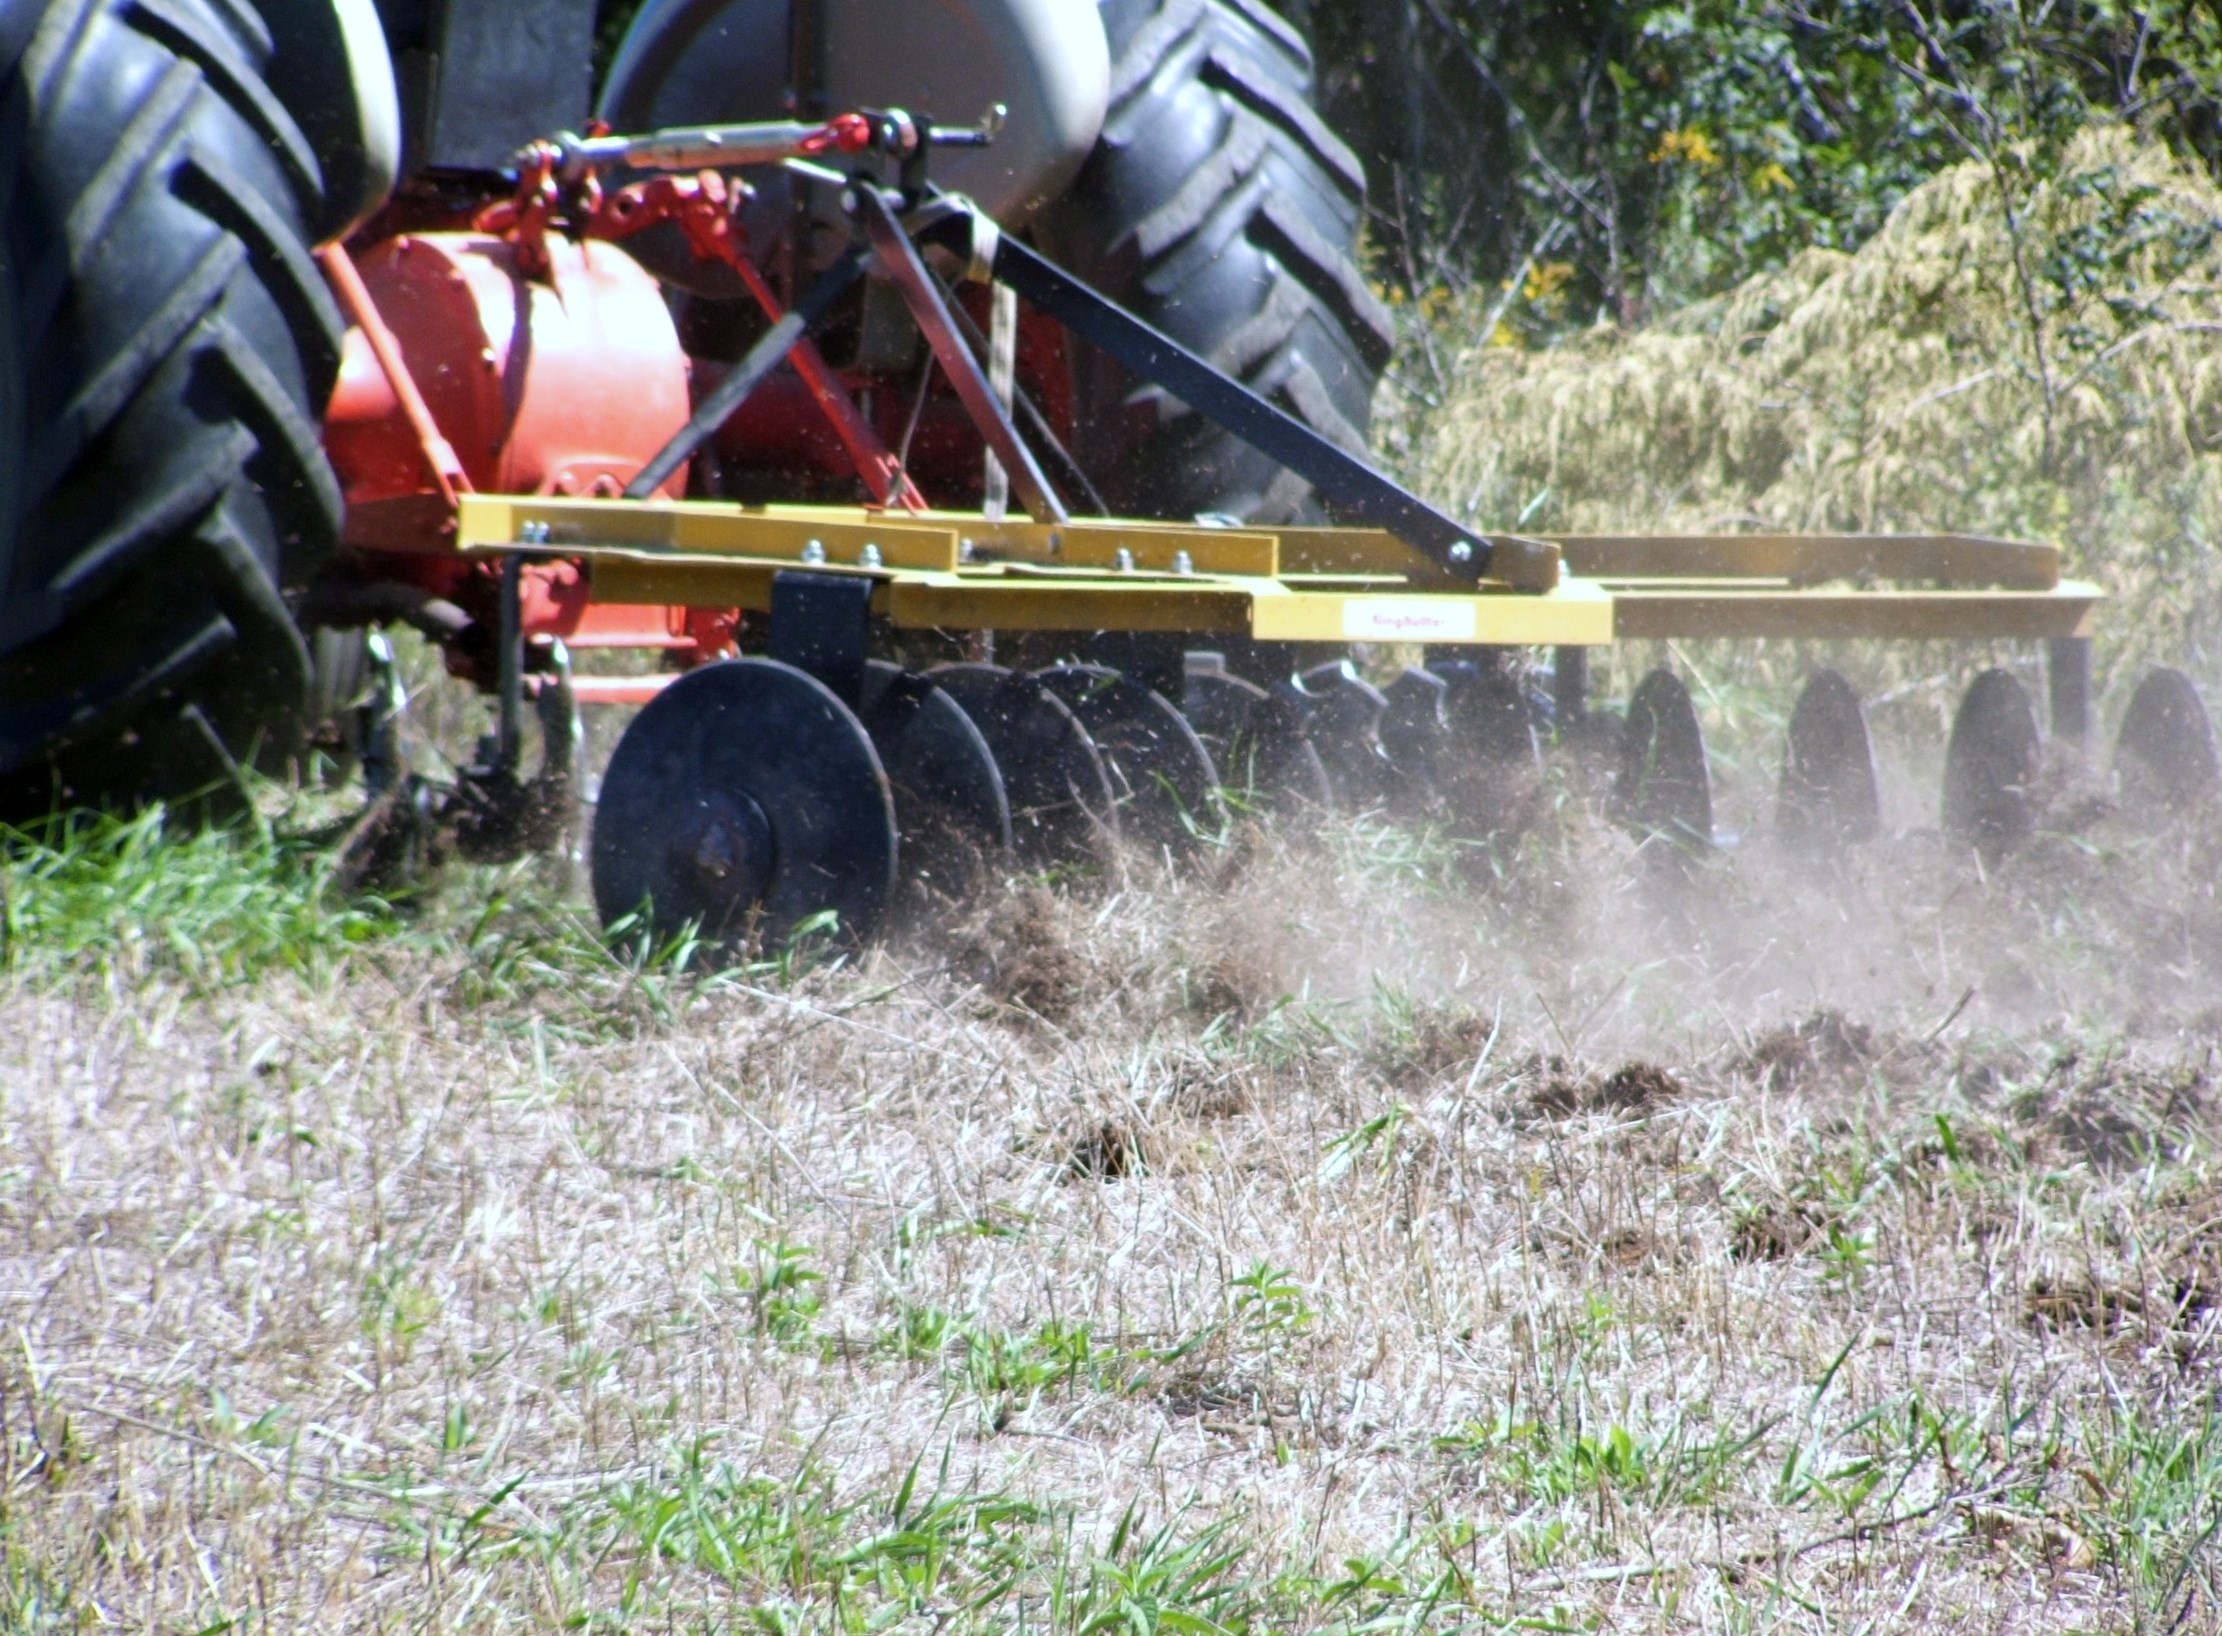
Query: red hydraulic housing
(534, 356)
(566, 383)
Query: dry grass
(1360, 1235)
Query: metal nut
(1124, 561)
(813, 551)
(869, 557)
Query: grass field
(1350, 1233)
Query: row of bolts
(814, 551)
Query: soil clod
(1634, 1087)
(1110, 1152)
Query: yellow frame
(961, 571)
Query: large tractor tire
(166, 349)
(1218, 206)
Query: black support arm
(1345, 482)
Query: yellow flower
(1772, 176)
(1546, 282)
(1502, 335)
(1692, 144)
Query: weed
(2154, 1496)
(1268, 1305)
(1377, 1136)
(1538, 1464)
(1013, 1369)
(780, 1288)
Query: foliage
(2005, 356)
(1612, 160)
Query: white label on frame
(1409, 619)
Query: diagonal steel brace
(898, 258)
(1343, 480)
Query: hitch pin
(982, 135)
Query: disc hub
(730, 852)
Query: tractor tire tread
(170, 346)
(1252, 84)
(211, 45)
(1283, 33)
(280, 255)
(1219, 206)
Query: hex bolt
(1183, 563)
(1461, 552)
(534, 534)
(869, 557)
(813, 551)
(1124, 561)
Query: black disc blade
(1217, 705)
(1062, 804)
(1168, 788)
(951, 809)
(2165, 755)
(745, 798)
(1491, 718)
(1486, 770)
(1664, 787)
(1828, 797)
(1342, 718)
(1991, 766)
(1256, 739)
(1415, 736)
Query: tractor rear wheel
(1218, 206)
(166, 349)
